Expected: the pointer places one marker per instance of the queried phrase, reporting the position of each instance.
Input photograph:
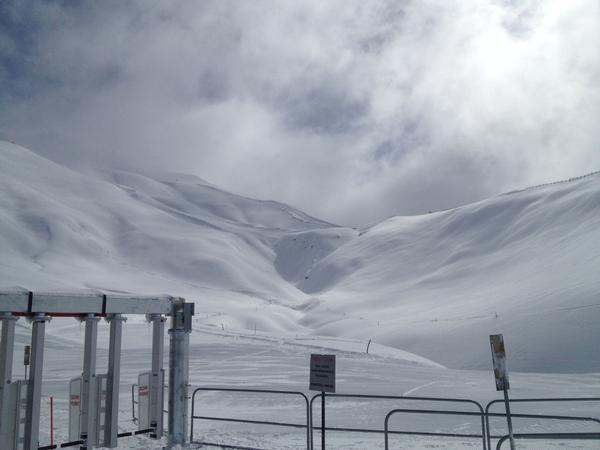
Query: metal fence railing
(385, 432)
(550, 436)
(490, 435)
(434, 434)
(81, 441)
(255, 422)
(482, 415)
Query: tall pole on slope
(34, 385)
(509, 420)
(322, 420)
(179, 343)
(7, 346)
(501, 376)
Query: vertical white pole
(111, 420)
(157, 379)
(88, 382)
(34, 385)
(7, 347)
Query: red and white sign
(74, 408)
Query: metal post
(51, 421)
(322, 420)
(7, 347)
(509, 420)
(113, 379)
(34, 386)
(179, 371)
(88, 382)
(158, 374)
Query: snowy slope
(525, 264)
(61, 229)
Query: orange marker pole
(51, 420)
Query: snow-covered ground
(220, 358)
(272, 284)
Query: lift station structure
(94, 398)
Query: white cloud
(352, 111)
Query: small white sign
(144, 400)
(499, 361)
(322, 373)
(74, 409)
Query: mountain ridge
(523, 263)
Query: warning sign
(499, 361)
(322, 373)
(74, 408)
(144, 400)
(75, 400)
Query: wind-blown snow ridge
(568, 180)
(524, 264)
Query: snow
(230, 359)
(273, 284)
(523, 264)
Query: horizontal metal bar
(14, 301)
(258, 391)
(138, 305)
(414, 433)
(402, 397)
(352, 430)
(256, 422)
(523, 416)
(547, 399)
(81, 441)
(550, 436)
(64, 303)
(235, 447)
(81, 303)
(438, 411)
(72, 443)
(544, 416)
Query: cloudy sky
(350, 110)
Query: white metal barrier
(93, 398)
(13, 420)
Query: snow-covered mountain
(525, 264)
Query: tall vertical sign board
(501, 377)
(499, 361)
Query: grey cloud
(352, 111)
